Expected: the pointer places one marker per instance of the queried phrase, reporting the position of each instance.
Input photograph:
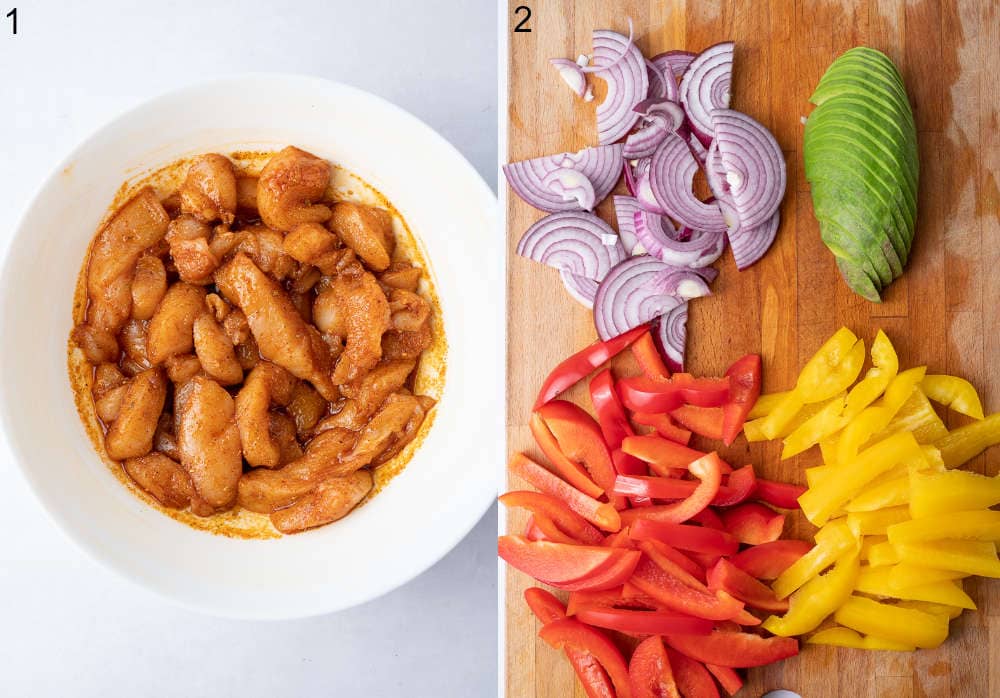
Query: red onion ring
(573, 241)
(715, 173)
(629, 170)
(697, 149)
(671, 175)
(676, 61)
(750, 244)
(658, 236)
(571, 73)
(601, 165)
(705, 87)
(625, 210)
(671, 333)
(639, 289)
(571, 184)
(620, 63)
(579, 287)
(754, 166)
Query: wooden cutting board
(942, 312)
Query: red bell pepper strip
(556, 562)
(643, 622)
(664, 426)
(610, 413)
(709, 519)
(619, 539)
(547, 608)
(648, 357)
(753, 523)
(735, 582)
(727, 677)
(685, 536)
(660, 453)
(706, 421)
(653, 487)
(568, 632)
(675, 562)
(734, 649)
(609, 577)
(779, 494)
(744, 389)
(708, 470)
(573, 473)
(554, 509)
(582, 363)
(674, 594)
(692, 678)
(542, 527)
(601, 514)
(642, 394)
(739, 486)
(610, 598)
(769, 560)
(580, 439)
(649, 671)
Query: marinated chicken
(254, 341)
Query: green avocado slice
(848, 232)
(858, 281)
(863, 84)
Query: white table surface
(68, 627)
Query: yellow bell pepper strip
(890, 622)
(982, 524)
(816, 476)
(953, 490)
(934, 460)
(965, 443)
(831, 369)
(950, 612)
(828, 449)
(869, 523)
(875, 581)
(752, 431)
(957, 393)
(869, 542)
(970, 556)
(875, 420)
(904, 575)
(832, 541)
(919, 416)
(883, 554)
(819, 503)
(845, 637)
(827, 421)
(766, 403)
(885, 366)
(890, 493)
(817, 599)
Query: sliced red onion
(709, 274)
(629, 169)
(625, 210)
(665, 107)
(657, 84)
(573, 241)
(705, 87)
(639, 289)
(571, 74)
(750, 244)
(658, 236)
(661, 116)
(671, 331)
(620, 63)
(580, 288)
(715, 174)
(697, 149)
(671, 175)
(601, 165)
(571, 184)
(754, 166)
(676, 61)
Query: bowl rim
(450, 537)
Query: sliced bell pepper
(609, 598)
(904, 576)
(830, 372)
(574, 473)
(739, 486)
(642, 394)
(877, 523)
(769, 560)
(570, 633)
(533, 532)
(541, 527)
(609, 577)
(727, 677)
(783, 495)
(648, 357)
(950, 612)
(955, 490)
(547, 608)
(734, 649)
(827, 421)
(753, 430)
(692, 677)
(708, 469)
(890, 493)
(580, 439)
(674, 561)
(859, 430)
(765, 404)
(649, 671)
(698, 539)
(821, 596)
(832, 541)
(568, 521)
(845, 637)
(601, 514)
(664, 426)
(885, 366)
(903, 625)
(777, 422)
(674, 594)
(753, 523)
(973, 557)
(882, 554)
(643, 622)
(557, 563)
(967, 442)
(709, 519)
(581, 364)
(982, 524)
(744, 389)
(917, 415)
(731, 579)
(706, 421)
(875, 581)
(661, 454)
(956, 393)
(608, 408)
(819, 503)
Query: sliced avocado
(847, 235)
(858, 281)
(875, 62)
(864, 84)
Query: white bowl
(423, 512)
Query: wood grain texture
(941, 313)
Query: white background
(67, 626)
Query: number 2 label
(526, 11)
